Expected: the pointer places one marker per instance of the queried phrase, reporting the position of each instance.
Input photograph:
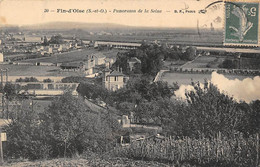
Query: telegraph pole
(1, 149)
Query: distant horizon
(91, 23)
(34, 12)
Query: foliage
(254, 118)
(26, 79)
(45, 41)
(206, 112)
(92, 91)
(152, 57)
(218, 151)
(56, 39)
(48, 80)
(189, 54)
(229, 64)
(72, 127)
(25, 138)
(66, 128)
(141, 89)
(74, 79)
(9, 90)
(210, 111)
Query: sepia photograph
(131, 83)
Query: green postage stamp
(241, 23)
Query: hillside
(73, 25)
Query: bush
(92, 91)
(229, 64)
(25, 138)
(68, 127)
(74, 79)
(26, 79)
(47, 80)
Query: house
(109, 62)
(113, 80)
(131, 63)
(84, 66)
(89, 61)
(46, 50)
(73, 66)
(99, 58)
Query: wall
(111, 84)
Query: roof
(116, 73)
(4, 122)
(106, 70)
(99, 55)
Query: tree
(74, 79)
(25, 137)
(151, 57)
(45, 41)
(26, 79)
(254, 118)
(190, 53)
(208, 112)
(229, 64)
(48, 80)
(145, 112)
(92, 91)
(67, 127)
(56, 39)
(9, 90)
(126, 107)
(71, 127)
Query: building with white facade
(113, 80)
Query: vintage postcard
(129, 83)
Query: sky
(27, 12)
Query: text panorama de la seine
(79, 11)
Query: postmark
(241, 23)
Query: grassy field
(30, 70)
(185, 78)
(171, 36)
(173, 64)
(200, 62)
(77, 55)
(205, 62)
